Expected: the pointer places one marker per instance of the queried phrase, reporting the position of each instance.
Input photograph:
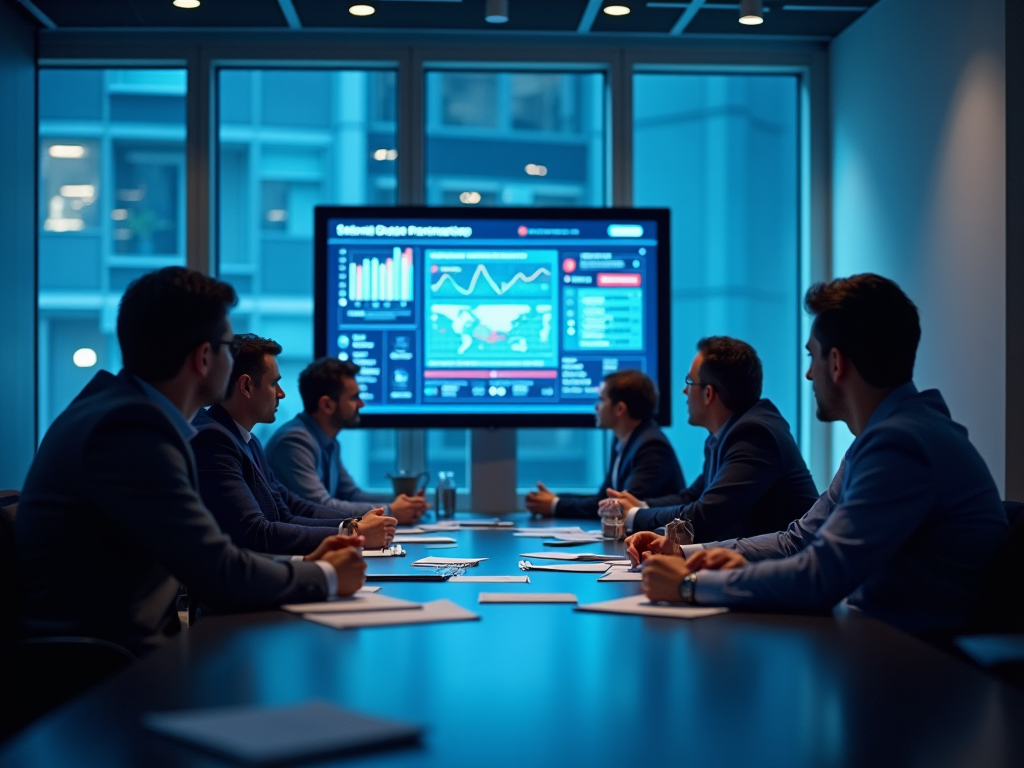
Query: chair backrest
(1001, 608)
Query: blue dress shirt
(916, 523)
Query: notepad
(578, 556)
(265, 735)
(434, 561)
(394, 551)
(423, 540)
(357, 602)
(435, 611)
(489, 579)
(568, 567)
(526, 597)
(639, 605)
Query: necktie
(709, 459)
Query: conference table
(537, 685)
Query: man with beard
(305, 455)
(908, 528)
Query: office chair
(39, 674)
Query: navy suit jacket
(251, 506)
(110, 522)
(754, 481)
(649, 467)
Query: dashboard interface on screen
(450, 314)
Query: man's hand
(332, 543)
(540, 502)
(349, 565)
(409, 509)
(662, 577)
(716, 559)
(625, 498)
(378, 529)
(642, 545)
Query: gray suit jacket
(110, 522)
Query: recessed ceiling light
(186, 3)
(534, 169)
(361, 9)
(66, 151)
(751, 12)
(496, 11)
(470, 198)
(616, 10)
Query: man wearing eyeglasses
(111, 522)
(754, 480)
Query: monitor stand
(493, 459)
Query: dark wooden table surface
(532, 686)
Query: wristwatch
(687, 588)
(351, 526)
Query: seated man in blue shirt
(642, 460)
(918, 517)
(236, 481)
(305, 455)
(754, 480)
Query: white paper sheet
(437, 610)
(453, 525)
(578, 556)
(621, 574)
(355, 603)
(409, 530)
(552, 530)
(546, 533)
(393, 551)
(434, 561)
(422, 540)
(579, 537)
(526, 597)
(490, 579)
(569, 567)
(639, 605)
(367, 590)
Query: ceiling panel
(161, 13)
(533, 15)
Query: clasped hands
(343, 553)
(664, 567)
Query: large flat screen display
(492, 317)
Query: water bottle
(445, 496)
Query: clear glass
(521, 139)
(288, 141)
(111, 208)
(722, 152)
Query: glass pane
(112, 207)
(521, 138)
(291, 140)
(721, 151)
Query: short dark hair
(870, 320)
(635, 389)
(250, 359)
(733, 368)
(165, 315)
(323, 377)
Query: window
(520, 138)
(112, 207)
(722, 152)
(290, 140)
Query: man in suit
(111, 521)
(305, 455)
(236, 481)
(642, 459)
(918, 517)
(754, 480)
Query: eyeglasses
(691, 383)
(234, 345)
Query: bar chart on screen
(381, 277)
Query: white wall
(919, 153)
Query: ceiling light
(186, 3)
(751, 12)
(85, 357)
(532, 169)
(66, 151)
(469, 198)
(496, 12)
(616, 10)
(361, 9)
(78, 190)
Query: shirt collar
(245, 433)
(314, 429)
(159, 399)
(891, 403)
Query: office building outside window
(111, 208)
(721, 151)
(521, 139)
(290, 140)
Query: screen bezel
(427, 420)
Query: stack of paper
(577, 556)
(639, 605)
(436, 562)
(526, 565)
(356, 603)
(527, 597)
(438, 610)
